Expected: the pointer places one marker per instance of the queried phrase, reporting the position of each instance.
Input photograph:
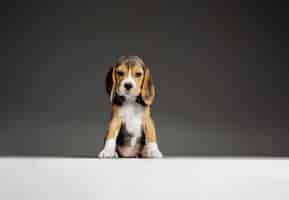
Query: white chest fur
(131, 114)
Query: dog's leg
(150, 149)
(109, 150)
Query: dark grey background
(220, 70)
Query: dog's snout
(128, 86)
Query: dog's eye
(120, 73)
(138, 74)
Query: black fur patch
(109, 81)
(118, 100)
(124, 137)
(140, 101)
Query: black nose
(128, 86)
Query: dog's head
(130, 78)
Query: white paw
(151, 150)
(108, 153)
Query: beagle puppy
(131, 131)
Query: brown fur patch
(148, 89)
(114, 124)
(148, 126)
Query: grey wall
(220, 70)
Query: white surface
(181, 178)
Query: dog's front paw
(108, 153)
(151, 150)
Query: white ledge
(171, 178)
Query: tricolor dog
(131, 130)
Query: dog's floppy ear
(148, 89)
(110, 83)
